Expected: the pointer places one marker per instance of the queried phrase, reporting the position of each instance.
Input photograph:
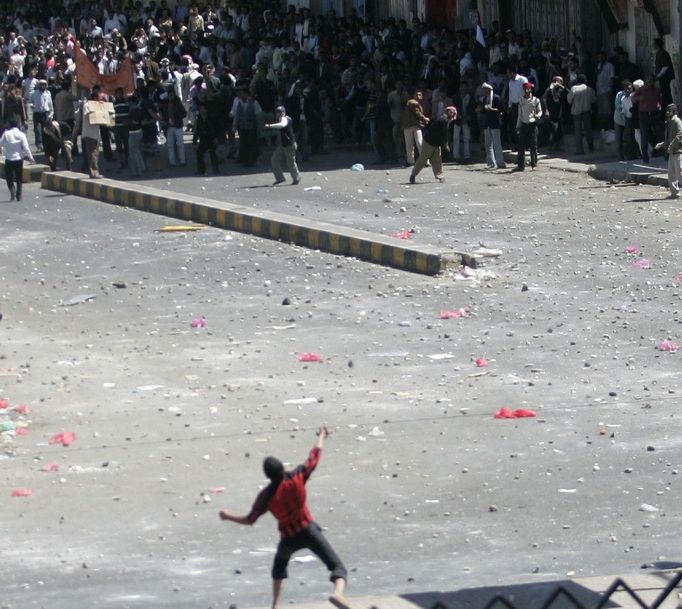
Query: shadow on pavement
(657, 586)
(521, 596)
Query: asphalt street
(420, 488)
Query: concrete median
(323, 236)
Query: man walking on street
(284, 155)
(285, 497)
(582, 97)
(672, 147)
(491, 106)
(412, 120)
(530, 111)
(435, 137)
(41, 100)
(15, 147)
(648, 99)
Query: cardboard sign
(101, 113)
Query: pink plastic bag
(632, 249)
(50, 467)
(402, 234)
(199, 322)
(456, 314)
(65, 438)
(22, 409)
(642, 263)
(21, 431)
(520, 413)
(668, 345)
(216, 489)
(309, 357)
(481, 362)
(4, 403)
(22, 492)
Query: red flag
(88, 75)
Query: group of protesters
(225, 70)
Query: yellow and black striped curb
(30, 173)
(323, 236)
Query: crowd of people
(220, 70)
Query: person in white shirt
(41, 100)
(15, 148)
(515, 82)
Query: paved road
(420, 488)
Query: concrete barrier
(323, 236)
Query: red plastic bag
(65, 438)
(4, 403)
(456, 314)
(642, 263)
(309, 357)
(481, 362)
(668, 345)
(519, 413)
(402, 234)
(22, 492)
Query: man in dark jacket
(435, 137)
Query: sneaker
(441, 179)
(411, 179)
(294, 182)
(18, 196)
(673, 196)
(278, 182)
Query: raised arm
(322, 433)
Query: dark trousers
(13, 176)
(248, 146)
(311, 538)
(582, 125)
(511, 125)
(121, 141)
(105, 136)
(646, 120)
(528, 140)
(202, 149)
(38, 119)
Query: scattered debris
(80, 299)
(65, 438)
(179, 228)
(519, 413)
(456, 314)
(668, 345)
(309, 357)
(403, 234)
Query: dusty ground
(420, 487)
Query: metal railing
(562, 595)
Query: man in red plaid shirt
(285, 497)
